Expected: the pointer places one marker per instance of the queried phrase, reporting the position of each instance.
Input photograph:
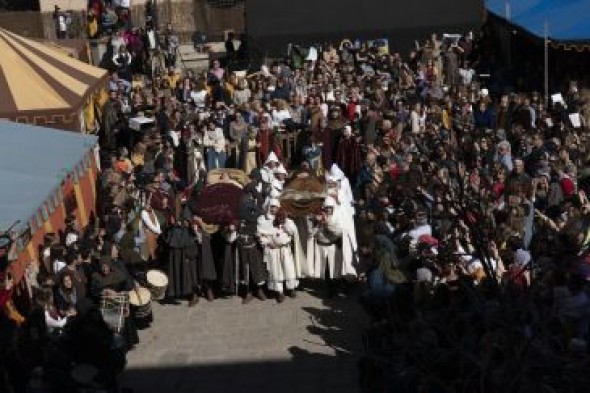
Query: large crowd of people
(430, 185)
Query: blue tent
(567, 20)
(33, 163)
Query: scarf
(71, 296)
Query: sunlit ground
(306, 344)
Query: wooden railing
(287, 140)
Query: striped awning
(40, 81)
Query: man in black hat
(251, 270)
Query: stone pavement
(308, 344)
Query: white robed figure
(345, 191)
(306, 246)
(276, 185)
(276, 235)
(327, 240)
(267, 171)
(338, 187)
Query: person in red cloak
(336, 124)
(324, 137)
(267, 140)
(348, 154)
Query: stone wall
(221, 19)
(178, 12)
(25, 23)
(77, 28)
(188, 16)
(65, 5)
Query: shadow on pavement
(306, 372)
(327, 361)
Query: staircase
(192, 60)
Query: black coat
(65, 301)
(181, 252)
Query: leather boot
(248, 298)
(292, 293)
(260, 294)
(194, 299)
(280, 297)
(209, 295)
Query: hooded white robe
(266, 172)
(344, 185)
(282, 261)
(349, 243)
(331, 255)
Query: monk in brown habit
(348, 154)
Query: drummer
(111, 281)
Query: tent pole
(507, 10)
(546, 79)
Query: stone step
(196, 60)
(197, 65)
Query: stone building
(187, 16)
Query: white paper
(136, 122)
(558, 98)
(451, 39)
(549, 122)
(312, 55)
(576, 120)
(152, 39)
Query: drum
(113, 309)
(157, 282)
(140, 302)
